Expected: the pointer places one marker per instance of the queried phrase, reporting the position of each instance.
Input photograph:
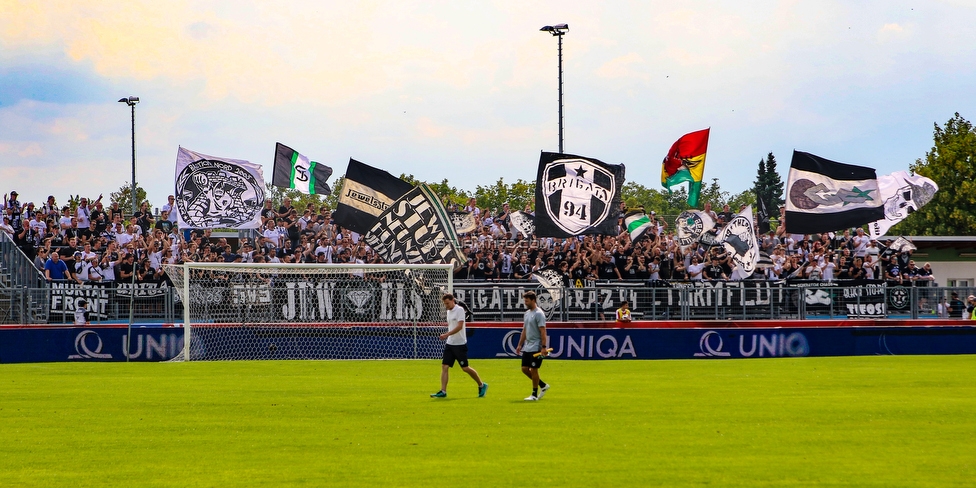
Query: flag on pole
(463, 222)
(903, 194)
(292, 170)
(524, 223)
(638, 224)
(690, 226)
(366, 193)
(686, 162)
(739, 239)
(415, 229)
(762, 215)
(213, 192)
(824, 195)
(576, 195)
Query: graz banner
(754, 299)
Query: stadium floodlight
(558, 31)
(235, 311)
(131, 101)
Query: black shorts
(455, 353)
(529, 360)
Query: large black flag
(366, 193)
(415, 229)
(824, 195)
(576, 195)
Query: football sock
(535, 392)
(542, 384)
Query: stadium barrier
(570, 341)
(502, 301)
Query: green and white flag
(292, 170)
(638, 224)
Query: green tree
(444, 190)
(124, 197)
(661, 201)
(299, 200)
(768, 186)
(518, 194)
(951, 163)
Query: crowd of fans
(92, 243)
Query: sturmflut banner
(416, 230)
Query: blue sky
(467, 90)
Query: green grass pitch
(863, 421)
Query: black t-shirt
(99, 221)
(714, 271)
(957, 306)
(164, 225)
(268, 213)
(606, 271)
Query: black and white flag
(691, 225)
(214, 192)
(762, 215)
(464, 222)
(415, 229)
(366, 193)
(576, 195)
(551, 280)
(902, 245)
(739, 239)
(903, 194)
(824, 195)
(524, 223)
(292, 170)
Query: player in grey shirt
(532, 345)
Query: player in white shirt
(456, 348)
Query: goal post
(235, 311)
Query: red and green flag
(685, 162)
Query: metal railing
(20, 282)
(502, 302)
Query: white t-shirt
(455, 316)
(695, 271)
(123, 239)
(83, 215)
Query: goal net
(236, 311)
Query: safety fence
(367, 301)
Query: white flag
(902, 194)
(739, 239)
(214, 192)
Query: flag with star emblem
(576, 195)
(824, 195)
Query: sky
(467, 90)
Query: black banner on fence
(65, 296)
(749, 299)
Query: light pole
(131, 102)
(558, 31)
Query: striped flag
(686, 162)
(824, 195)
(637, 223)
(292, 170)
